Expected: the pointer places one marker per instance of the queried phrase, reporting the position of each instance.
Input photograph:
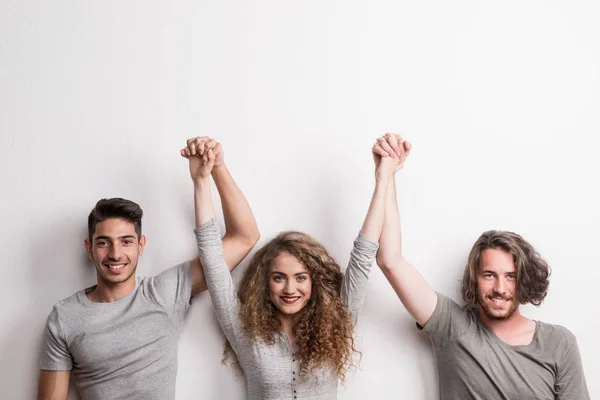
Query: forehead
(287, 264)
(496, 260)
(114, 228)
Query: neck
(106, 292)
(287, 324)
(500, 326)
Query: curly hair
(323, 328)
(532, 272)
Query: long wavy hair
(532, 272)
(323, 328)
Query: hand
(202, 153)
(391, 146)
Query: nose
(114, 252)
(500, 286)
(290, 286)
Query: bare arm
(416, 295)
(241, 229)
(373, 223)
(53, 385)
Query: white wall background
(500, 99)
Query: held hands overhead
(389, 154)
(204, 154)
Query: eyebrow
(281, 273)
(119, 238)
(487, 271)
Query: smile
(290, 299)
(499, 301)
(115, 267)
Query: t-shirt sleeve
(172, 289)
(448, 321)
(55, 352)
(570, 380)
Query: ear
(141, 245)
(88, 248)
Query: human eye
(301, 278)
(487, 275)
(102, 243)
(278, 278)
(127, 242)
(512, 277)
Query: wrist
(382, 179)
(202, 182)
(218, 169)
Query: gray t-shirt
(272, 371)
(473, 363)
(126, 349)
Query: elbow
(252, 237)
(388, 262)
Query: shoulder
(69, 304)
(556, 333)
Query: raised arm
(53, 385)
(211, 264)
(416, 295)
(241, 229)
(356, 276)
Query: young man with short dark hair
(119, 337)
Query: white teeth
(290, 300)
(499, 301)
(115, 267)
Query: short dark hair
(115, 208)
(532, 270)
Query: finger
(407, 147)
(217, 148)
(385, 146)
(392, 140)
(211, 143)
(211, 158)
(200, 145)
(205, 158)
(379, 151)
(187, 152)
(182, 152)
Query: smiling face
(114, 249)
(290, 284)
(496, 284)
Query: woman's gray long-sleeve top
(272, 371)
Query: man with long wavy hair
(485, 350)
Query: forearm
(203, 204)
(239, 220)
(390, 242)
(414, 292)
(373, 223)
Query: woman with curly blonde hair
(291, 324)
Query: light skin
(115, 244)
(498, 307)
(416, 294)
(290, 289)
(289, 266)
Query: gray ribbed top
(271, 370)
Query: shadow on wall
(57, 266)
